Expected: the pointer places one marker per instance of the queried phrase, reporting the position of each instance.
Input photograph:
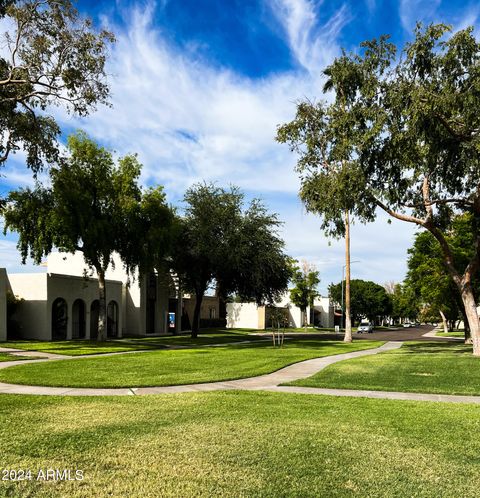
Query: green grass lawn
(429, 367)
(12, 357)
(77, 348)
(241, 444)
(454, 333)
(173, 367)
(84, 347)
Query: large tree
(94, 206)
(429, 278)
(222, 243)
(51, 56)
(305, 279)
(407, 133)
(368, 299)
(405, 303)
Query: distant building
(251, 316)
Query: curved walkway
(290, 373)
(269, 382)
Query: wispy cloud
(189, 120)
(411, 11)
(313, 43)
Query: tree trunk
(472, 316)
(467, 338)
(102, 306)
(348, 321)
(444, 320)
(196, 314)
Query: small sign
(171, 320)
(337, 328)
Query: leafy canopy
(52, 57)
(428, 277)
(93, 206)
(237, 248)
(305, 280)
(367, 299)
(398, 135)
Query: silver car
(366, 327)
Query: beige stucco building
(62, 303)
(251, 316)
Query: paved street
(400, 334)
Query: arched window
(112, 319)
(94, 309)
(78, 319)
(59, 319)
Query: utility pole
(348, 321)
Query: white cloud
(380, 247)
(469, 18)
(313, 44)
(11, 258)
(412, 11)
(190, 121)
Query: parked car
(407, 325)
(365, 327)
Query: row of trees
(95, 205)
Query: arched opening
(112, 319)
(94, 309)
(78, 319)
(59, 319)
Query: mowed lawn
(454, 333)
(234, 443)
(12, 357)
(86, 347)
(429, 367)
(173, 367)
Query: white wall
(242, 315)
(72, 288)
(325, 307)
(38, 292)
(133, 302)
(31, 313)
(246, 315)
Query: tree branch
(400, 216)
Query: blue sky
(199, 87)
